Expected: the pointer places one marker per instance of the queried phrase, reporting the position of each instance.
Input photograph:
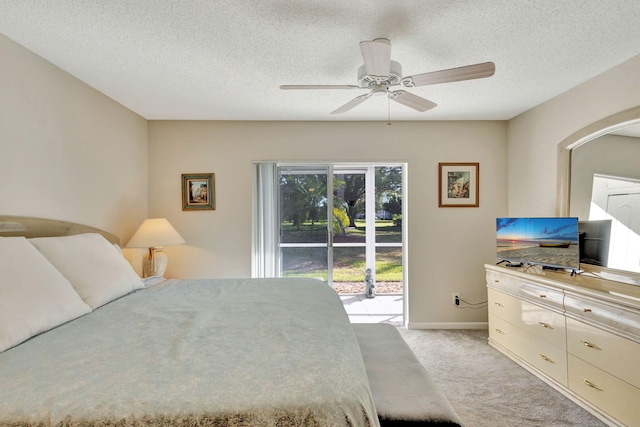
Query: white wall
(67, 151)
(447, 246)
(533, 136)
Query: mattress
(245, 352)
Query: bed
(84, 341)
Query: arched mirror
(599, 182)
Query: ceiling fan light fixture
(378, 90)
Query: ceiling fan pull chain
(388, 111)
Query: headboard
(41, 227)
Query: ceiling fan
(379, 73)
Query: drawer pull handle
(587, 310)
(592, 385)
(499, 331)
(591, 345)
(496, 281)
(498, 304)
(545, 325)
(543, 296)
(547, 359)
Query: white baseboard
(448, 325)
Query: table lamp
(155, 233)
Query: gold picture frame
(458, 185)
(198, 191)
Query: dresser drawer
(522, 289)
(616, 318)
(535, 319)
(611, 353)
(503, 305)
(616, 397)
(502, 332)
(542, 355)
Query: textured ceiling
(225, 60)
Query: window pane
(304, 262)
(351, 234)
(307, 232)
(388, 270)
(303, 207)
(389, 204)
(349, 208)
(349, 268)
(388, 231)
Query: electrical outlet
(456, 298)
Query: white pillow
(93, 266)
(34, 296)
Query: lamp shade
(155, 232)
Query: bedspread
(245, 352)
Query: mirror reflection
(605, 196)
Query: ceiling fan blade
(290, 87)
(468, 72)
(353, 103)
(377, 57)
(412, 101)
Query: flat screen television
(594, 241)
(549, 242)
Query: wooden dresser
(580, 334)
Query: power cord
(532, 269)
(475, 305)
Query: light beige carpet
(486, 388)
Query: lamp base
(156, 264)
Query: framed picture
(458, 185)
(198, 191)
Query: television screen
(594, 241)
(550, 242)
